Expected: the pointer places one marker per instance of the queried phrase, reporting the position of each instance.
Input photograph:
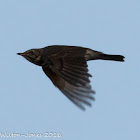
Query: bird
(66, 66)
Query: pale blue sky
(30, 103)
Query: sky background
(29, 102)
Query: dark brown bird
(67, 68)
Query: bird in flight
(67, 68)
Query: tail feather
(112, 57)
(95, 55)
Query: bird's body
(66, 66)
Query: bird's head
(33, 55)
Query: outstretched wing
(70, 75)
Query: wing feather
(72, 78)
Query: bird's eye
(31, 52)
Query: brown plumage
(67, 68)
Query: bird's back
(63, 51)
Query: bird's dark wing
(71, 76)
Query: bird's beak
(22, 54)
